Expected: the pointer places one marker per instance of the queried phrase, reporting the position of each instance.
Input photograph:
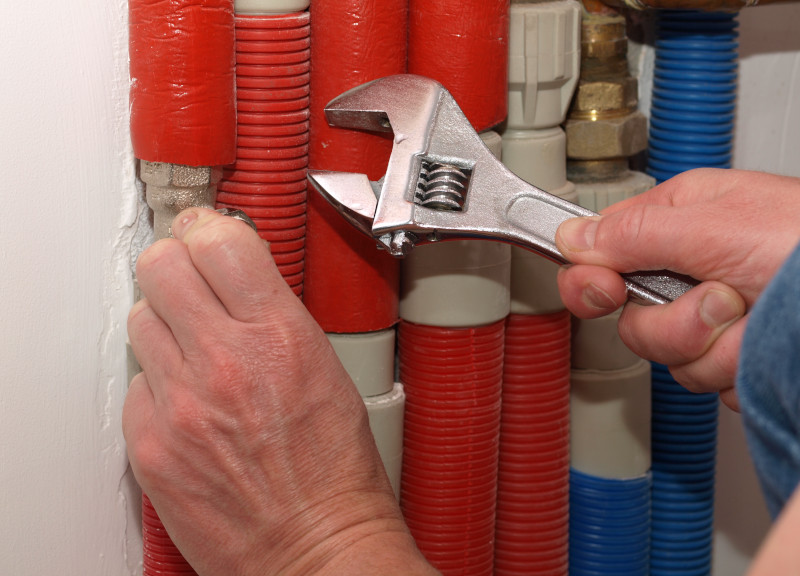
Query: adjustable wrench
(443, 183)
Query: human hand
(731, 229)
(243, 428)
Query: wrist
(390, 552)
(355, 534)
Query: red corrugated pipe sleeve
(349, 285)
(182, 96)
(464, 45)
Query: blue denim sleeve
(768, 385)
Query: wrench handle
(658, 286)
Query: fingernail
(596, 298)
(183, 222)
(578, 234)
(718, 308)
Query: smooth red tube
(350, 285)
(182, 96)
(464, 45)
(533, 479)
(452, 432)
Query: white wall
(69, 202)
(68, 219)
(767, 138)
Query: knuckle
(218, 235)
(685, 376)
(631, 227)
(149, 457)
(186, 415)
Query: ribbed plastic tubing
(694, 93)
(691, 126)
(609, 532)
(531, 535)
(684, 439)
(268, 179)
(453, 380)
(160, 556)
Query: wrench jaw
(402, 104)
(421, 199)
(352, 195)
(355, 197)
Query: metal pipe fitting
(171, 188)
(603, 122)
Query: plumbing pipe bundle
(691, 126)
(484, 489)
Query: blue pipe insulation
(691, 126)
(609, 527)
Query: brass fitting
(171, 188)
(598, 99)
(607, 137)
(603, 121)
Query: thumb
(641, 237)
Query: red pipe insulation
(533, 483)
(182, 95)
(452, 380)
(268, 179)
(350, 286)
(464, 45)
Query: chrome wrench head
(428, 128)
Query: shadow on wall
(740, 513)
(769, 29)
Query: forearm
(355, 534)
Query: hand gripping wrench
(443, 183)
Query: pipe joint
(171, 188)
